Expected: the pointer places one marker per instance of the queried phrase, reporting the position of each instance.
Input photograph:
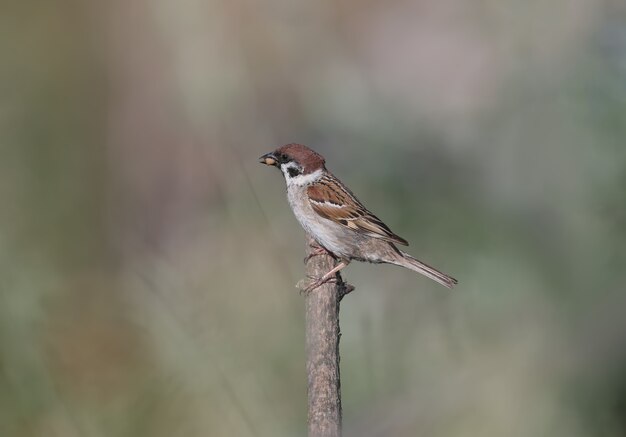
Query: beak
(268, 159)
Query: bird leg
(327, 277)
(317, 251)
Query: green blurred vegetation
(148, 262)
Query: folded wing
(331, 200)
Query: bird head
(295, 161)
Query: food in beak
(267, 160)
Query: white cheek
(302, 179)
(285, 167)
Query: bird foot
(313, 282)
(307, 287)
(317, 251)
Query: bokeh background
(148, 262)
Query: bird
(341, 225)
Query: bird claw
(313, 283)
(333, 276)
(317, 251)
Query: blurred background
(148, 262)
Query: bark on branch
(322, 347)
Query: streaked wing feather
(331, 200)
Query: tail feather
(430, 272)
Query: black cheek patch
(293, 172)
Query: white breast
(326, 232)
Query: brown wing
(331, 200)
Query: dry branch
(322, 347)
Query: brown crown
(309, 159)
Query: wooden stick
(322, 346)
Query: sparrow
(336, 219)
